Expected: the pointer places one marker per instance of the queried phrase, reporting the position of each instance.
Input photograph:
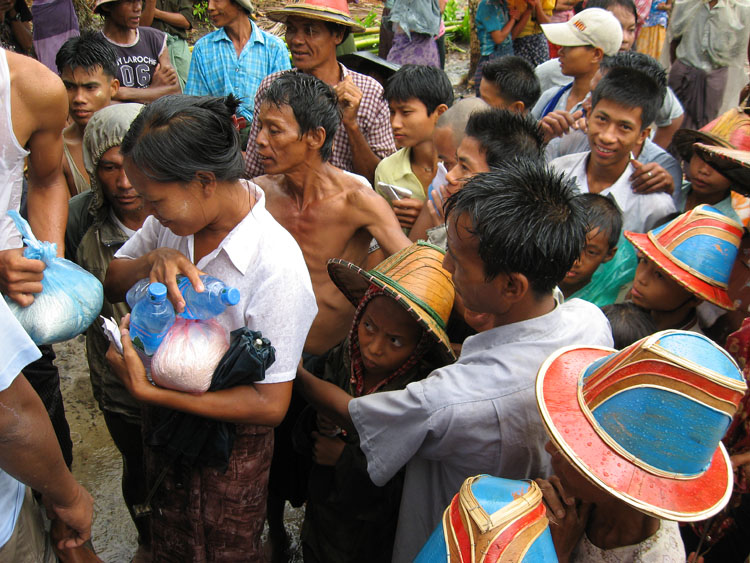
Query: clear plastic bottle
(212, 301)
(151, 319)
(137, 292)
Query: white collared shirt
(261, 259)
(640, 212)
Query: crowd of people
(545, 282)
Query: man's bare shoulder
(39, 101)
(34, 81)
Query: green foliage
(451, 11)
(200, 11)
(465, 32)
(370, 20)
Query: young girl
(397, 337)
(494, 23)
(182, 155)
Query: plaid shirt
(373, 118)
(215, 69)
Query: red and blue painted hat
(697, 250)
(645, 424)
(492, 520)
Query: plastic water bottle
(137, 292)
(212, 301)
(151, 319)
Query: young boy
(512, 235)
(706, 183)
(604, 226)
(623, 104)
(417, 95)
(450, 129)
(491, 137)
(683, 263)
(509, 83)
(585, 40)
(494, 23)
(143, 66)
(87, 66)
(392, 342)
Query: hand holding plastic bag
(71, 297)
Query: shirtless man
(87, 66)
(34, 99)
(331, 213)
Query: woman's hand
(128, 366)
(166, 264)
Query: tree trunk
(474, 50)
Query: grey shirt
(478, 415)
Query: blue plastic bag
(71, 297)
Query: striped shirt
(373, 118)
(216, 70)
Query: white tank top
(12, 156)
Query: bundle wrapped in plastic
(71, 297)
(188, 355)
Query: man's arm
(163, 82)
(364, 159)
(48, 191)
(151, 12)
(29, 452)
(663, 135)
(380, 221)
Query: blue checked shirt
(215, 69)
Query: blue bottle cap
(231, 296)
(157, 291)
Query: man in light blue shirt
(235, 58)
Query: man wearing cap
(143, 67)
(584, 40)
(313, 30)
(236, 57)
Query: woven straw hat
(414, 277)
(645, 424)
(731, 130)
(334, 11)
(732, 163)
(697, 250)
(492, 520)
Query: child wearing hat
(635, 439)
(709, 181)
(397, 336)
(683, 263)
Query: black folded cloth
(193, 441)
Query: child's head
(297, 112)
(629, 323)
(626, 13)
(451, 126)
(604, 221)
(492, 137)
(708, 184)
(88, 66)
(512, 232)
(686, 261)
(417, 95)
(177, 150)
(623, 106)
(510, 83)
(402, 307)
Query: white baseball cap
(593, 27)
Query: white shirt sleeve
(16, 347)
